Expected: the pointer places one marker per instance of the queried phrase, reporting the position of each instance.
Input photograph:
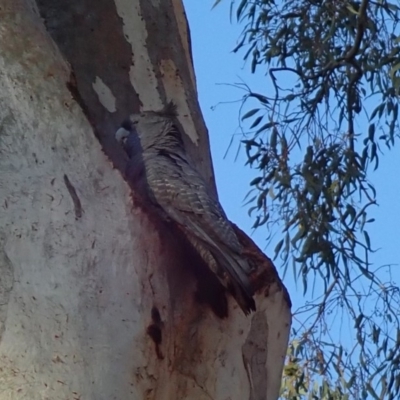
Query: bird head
(152, 128)
(124, 131)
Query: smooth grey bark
(86, 274)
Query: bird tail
(243, 298)
(239, 283)
(229, 271)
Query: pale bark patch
(174, 88)
(184, 33)
(106, 97)
(142, 72)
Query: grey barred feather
(157, 155)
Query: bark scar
(154, 330)
(74, 196)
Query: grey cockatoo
(163, 172)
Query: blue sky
(213, 38)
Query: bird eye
(126, 124)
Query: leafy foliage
(330, 64)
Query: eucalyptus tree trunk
(97, 298)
